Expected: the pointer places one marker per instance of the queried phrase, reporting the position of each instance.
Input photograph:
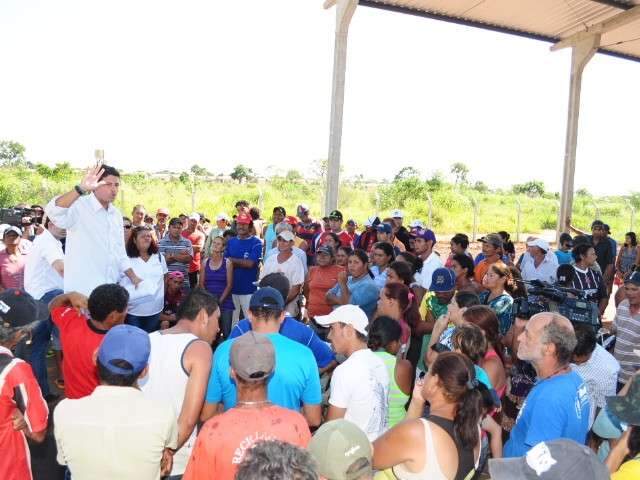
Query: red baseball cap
(245, 219)
(291, 220)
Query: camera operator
(587, 279)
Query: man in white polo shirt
(360, 385)
(539, 263)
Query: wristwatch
(80, 191)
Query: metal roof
(547, 20)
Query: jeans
(149, 324)
(37, 354)
(225, 323)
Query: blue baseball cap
(443, 280)
(268, 298)
(125, 342)
(425, 234)
(384, 228)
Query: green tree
(405, 173)
(11, 153)
(293, 176)
(532, 188)
(461, 172)
(480, 187)
(436, 182)
(240, 173)
(199, 171)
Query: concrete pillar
(344, 12)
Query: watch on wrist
(79, 190)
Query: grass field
(452, 209)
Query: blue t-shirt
(564, 258)
(298, 332)
(247, 249)
(364, 293)
(295, 380)
(555, 408)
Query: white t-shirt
(152, 274)
(361, 385)
(39, 275)
(293, 269)
(423, 277)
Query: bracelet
(79, 190)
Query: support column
(344, 12)
(582, 51)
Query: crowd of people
(296, 348)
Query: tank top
(628, 258)
(493, 354)
(215, 281)
(397, 398)
(466, 463)
(167, 382)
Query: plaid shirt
(600, 374)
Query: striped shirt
(627, 338)
(168, 247)
(591, 282)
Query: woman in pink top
(12, 260)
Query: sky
(165, 85)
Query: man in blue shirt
(244, 251)
(293, 329)
(558, 405)
(295, 383)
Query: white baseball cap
(194, 216)
(222, 216)
(540, 243)
(347, 314)
(397, 214)
(417, 224)
(286, 235)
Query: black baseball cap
(335, 215)
(18, 308)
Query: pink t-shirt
(12, 270)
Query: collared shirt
(298, 252)
(545, 272)
(95, 252)
(423, 277)
(600, 374)
(129, 430)
(39, 275)
(18, 390)
(627, 339)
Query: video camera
(19, 217)
(568, 302)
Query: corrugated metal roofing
(548, 20)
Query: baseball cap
(550, 461)
(18, 308)
(397, 214)
(326, 249)
(335, 215)
(222, 216)
(291, 220)
(384, 228)
(372, 221)
(302, 209)
(13, 229)
(349, 315)
(194, 216)
(244, 219)
(351, 221)
(268, 298)
(443, 280)
(176, 274)
(540, 243)
(607, 228)
(162, 211)
(416, 224)
(175, 221)
(425, 234)
(634, 278)
(627, 408)
(336, 446)
(125, 342)
(493, 239)
(286, 235)
(597, 223)
(253, 357)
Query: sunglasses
(127, 227)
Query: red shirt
(18, 390)
(224, 440)
(197, 240)
(80, 340)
